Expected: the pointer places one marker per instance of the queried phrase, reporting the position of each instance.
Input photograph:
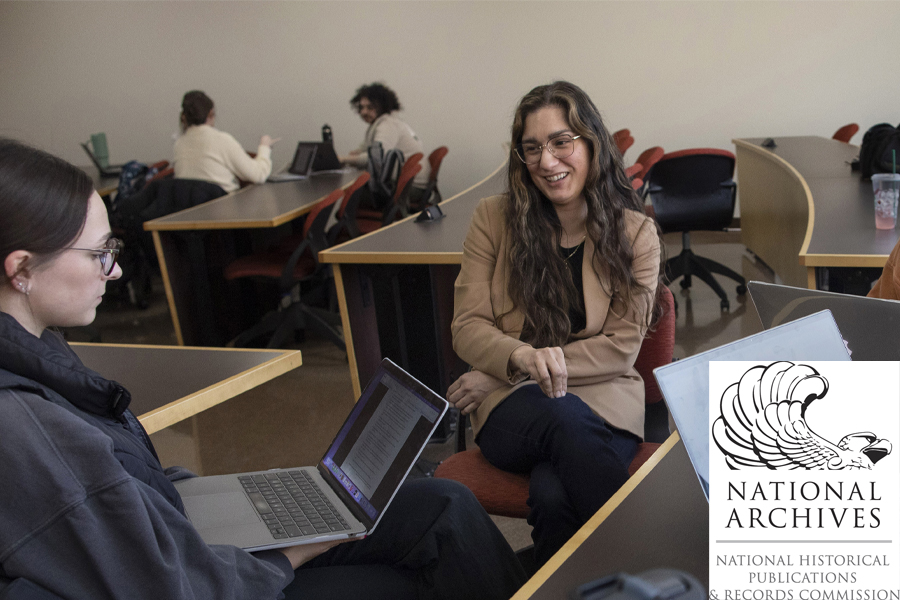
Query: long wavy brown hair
(540, 285)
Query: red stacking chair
(291, 266)
(845, 133)
(432, 194)
(623, 140)
(370, 220)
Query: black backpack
(876, 155)
(384, 167)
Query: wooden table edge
(843, 260)
(192, 404)
(541, 577)
(811, 221)
(335, 254)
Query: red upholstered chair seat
(501, 492)
(269, 264)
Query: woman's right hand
(301, 554)
(267, 140)
(469, 391)
(547, 367)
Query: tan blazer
(600, 359)
(888, 285)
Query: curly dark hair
(381, 96)
(540, 284)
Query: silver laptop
(871, 326)
(685, 383)
(345, 495)
(301, 166)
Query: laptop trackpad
(217, 510)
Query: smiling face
(66, 290)
(561, 180)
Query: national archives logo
(762, 423)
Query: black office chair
(693, 190)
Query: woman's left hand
(469, 391)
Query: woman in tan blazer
(556, 292)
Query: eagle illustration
(763, 424)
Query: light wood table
(169, 384)
(658, 519)
(802, 208)
(395, 290)
(195, 245)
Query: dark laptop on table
(685, 383)
(106, 170)
(301, 166)
(345, 495)
(326, 158)
(871, 326)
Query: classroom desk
(104, 185)
(192, 256)
(658, 519)
(399, 279)
(172, 383)
(803, 208)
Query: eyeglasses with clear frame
(108, 255)
(561, 147)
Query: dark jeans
(434, 541)
(577, 461)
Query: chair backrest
(845, 133)
(101, 149)
(648, 158)
(434, 159)
(658, 347)
(351, 189)
(317, 218)
(693, 190)
(410, 169)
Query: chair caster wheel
(724, 305)
(741, 290)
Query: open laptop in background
(326, 158)
(871, 326)
(106, 170)
(345, 494)
(685, 383)
(301, 166)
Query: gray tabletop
(257, 206)
(662, 523)
(844, 221)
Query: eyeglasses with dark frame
(561, 147)
(108, 255)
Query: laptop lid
(304, 157)
(326, 158)
(871, 326)
(380, 441)
(685, 383)
(104, 170)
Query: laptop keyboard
(291, 504)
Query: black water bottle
(326, 133)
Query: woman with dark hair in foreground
(86, 509)
(556, 291)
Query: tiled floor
(291, 420)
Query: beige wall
(678, 74)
